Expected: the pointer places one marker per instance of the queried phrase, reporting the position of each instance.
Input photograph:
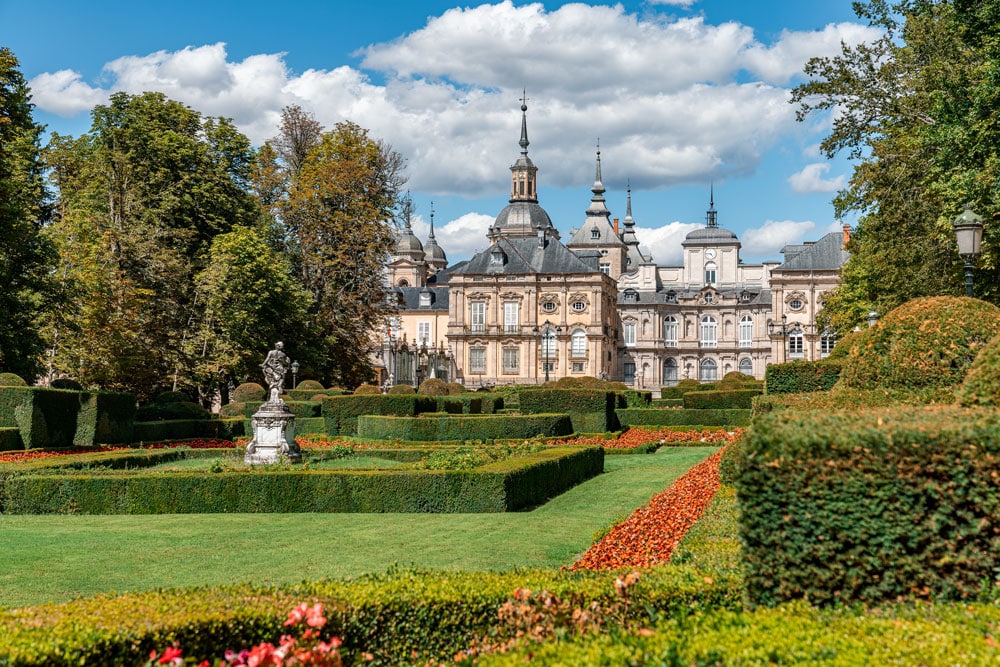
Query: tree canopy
(919, 111)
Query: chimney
(616, 226)
(847, 235)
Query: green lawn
(54, 558)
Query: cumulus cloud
(679, 3)
(810, 179)
(461, 238)
(667, 96)
(664, 243)
(767, 240)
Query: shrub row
(431, 427)
(10, 438)
(179, 429)
(684, 417)
(590, 410)
(59, 418)
(667, 403)
(684, 386)
(720, 399)
(871, 505)
(844, 398)
(505, 486)
(802, 376)
(341, 412)
(301, 409)
(395, 616)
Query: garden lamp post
(872, 318)
(969, 233)
(547, 337)
(774, 330)
(295, 374)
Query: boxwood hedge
(341, 412)
(590, 410)
(682, 417)
(720, 399)
(60, 418)
(871, 505)
(179, 429)
(442, 426)
(802, 376)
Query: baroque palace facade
(532, 308)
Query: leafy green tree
(918, 108)
(249, 300)
(335, 195)
(140, 199)
(26, 256)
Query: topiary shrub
(455, 388)
(982, 383)
(66, 383)
(733, 379)
(367, 389)
(402, 389)
(844, 345)
(310, 385)
(248, 392)
(926, 342)
(318, 397)
(171, 411)
(172, 397)
(12, 380)
(433, 387)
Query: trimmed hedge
(301, 409)
(462, 404)
(248, 392)
(725, 399)
(430, 427)
(684, 386)
(503, 486)
(871, 506)
(304, 426)
(667, 403)
(162, 410)
(802, 376)
(590, 410)
(390, 615)
(982, 383)
(180, 429)
(10, 438)
(60, 418)
(341, 412)
(12, 380)
(674, 417)
(307, 394)
(842, 398)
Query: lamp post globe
(969, 235)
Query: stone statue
(275, 366)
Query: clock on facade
(710, 253)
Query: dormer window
(595, 233)
(425, 299)
(631, 296)
(497, 256)
(670, 297)
(709, 297)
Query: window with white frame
(477, 359)
(670, 331)
(549, 306)
(511, 316)
(478, 316)
(578, 366)
(708, 370)
(578, 344)
(423, 333)
(511, 360)
(548, 343)
(796, 343)
(628, 372)
(827, 341)
(710, 273)
(669, 372)
(605, 269)
(746, 331)
(629, 333)
(394, 323)
(709, 331)
(746, 366)
(595, 233)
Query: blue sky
(681, 95)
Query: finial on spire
(407, 211)
(628, 199)
(430, 237)
(598, 184)
(711, 217)
(524, 122)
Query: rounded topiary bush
(926, 342)
(310, 384)
(982, 382)
(172, 397)
(367, 389)
(402, 389)
(844, 345)
(455, 388)
(734, 379)
(167, 411)
(433, 387)
(66, 383)
(12, 380)
(318, 398)
(688, 384)
(248, 392)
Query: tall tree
(26, 256)
(142, 196)
(918, 108)
(336, 204)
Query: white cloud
(768, 239)
(65, 93)
(461, 238)
(786, 58)
(664, 243)
(810, 179)
(679, 3)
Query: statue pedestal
(273, 435)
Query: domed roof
(710, 235)
(522, 216)
(408, 243)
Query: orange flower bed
(650, 535)
(635, 437)
(198, 443)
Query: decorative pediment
(512, 296)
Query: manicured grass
(54, 558)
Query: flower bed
(650, 535)
(36, 454)
(637, 437)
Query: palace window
(709, 332)
(578, 344)
(628, 372)
(796, 344)
(477, 359)
(669, 372)
(478, 316)
(827, 341)
(549, 306)
(511, 317)
(746, 366)
(708, 370)
(511, 360)
(423, 333)
(629, 331)
(670, 331)
(710, 271)
(746, 331)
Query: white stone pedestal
(273, 435)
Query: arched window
(796, 344)
(827, 340)
(746, 331)
(710, 271)
(629, 331)
(708, 370)
(669, 372)
(746, 366)
(670, 331)
(578, 344)
(709, 331)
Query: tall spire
(629, 221)
(597, 178)
(524, 122)
(430, 237)
(711, 213)
(598, 208)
